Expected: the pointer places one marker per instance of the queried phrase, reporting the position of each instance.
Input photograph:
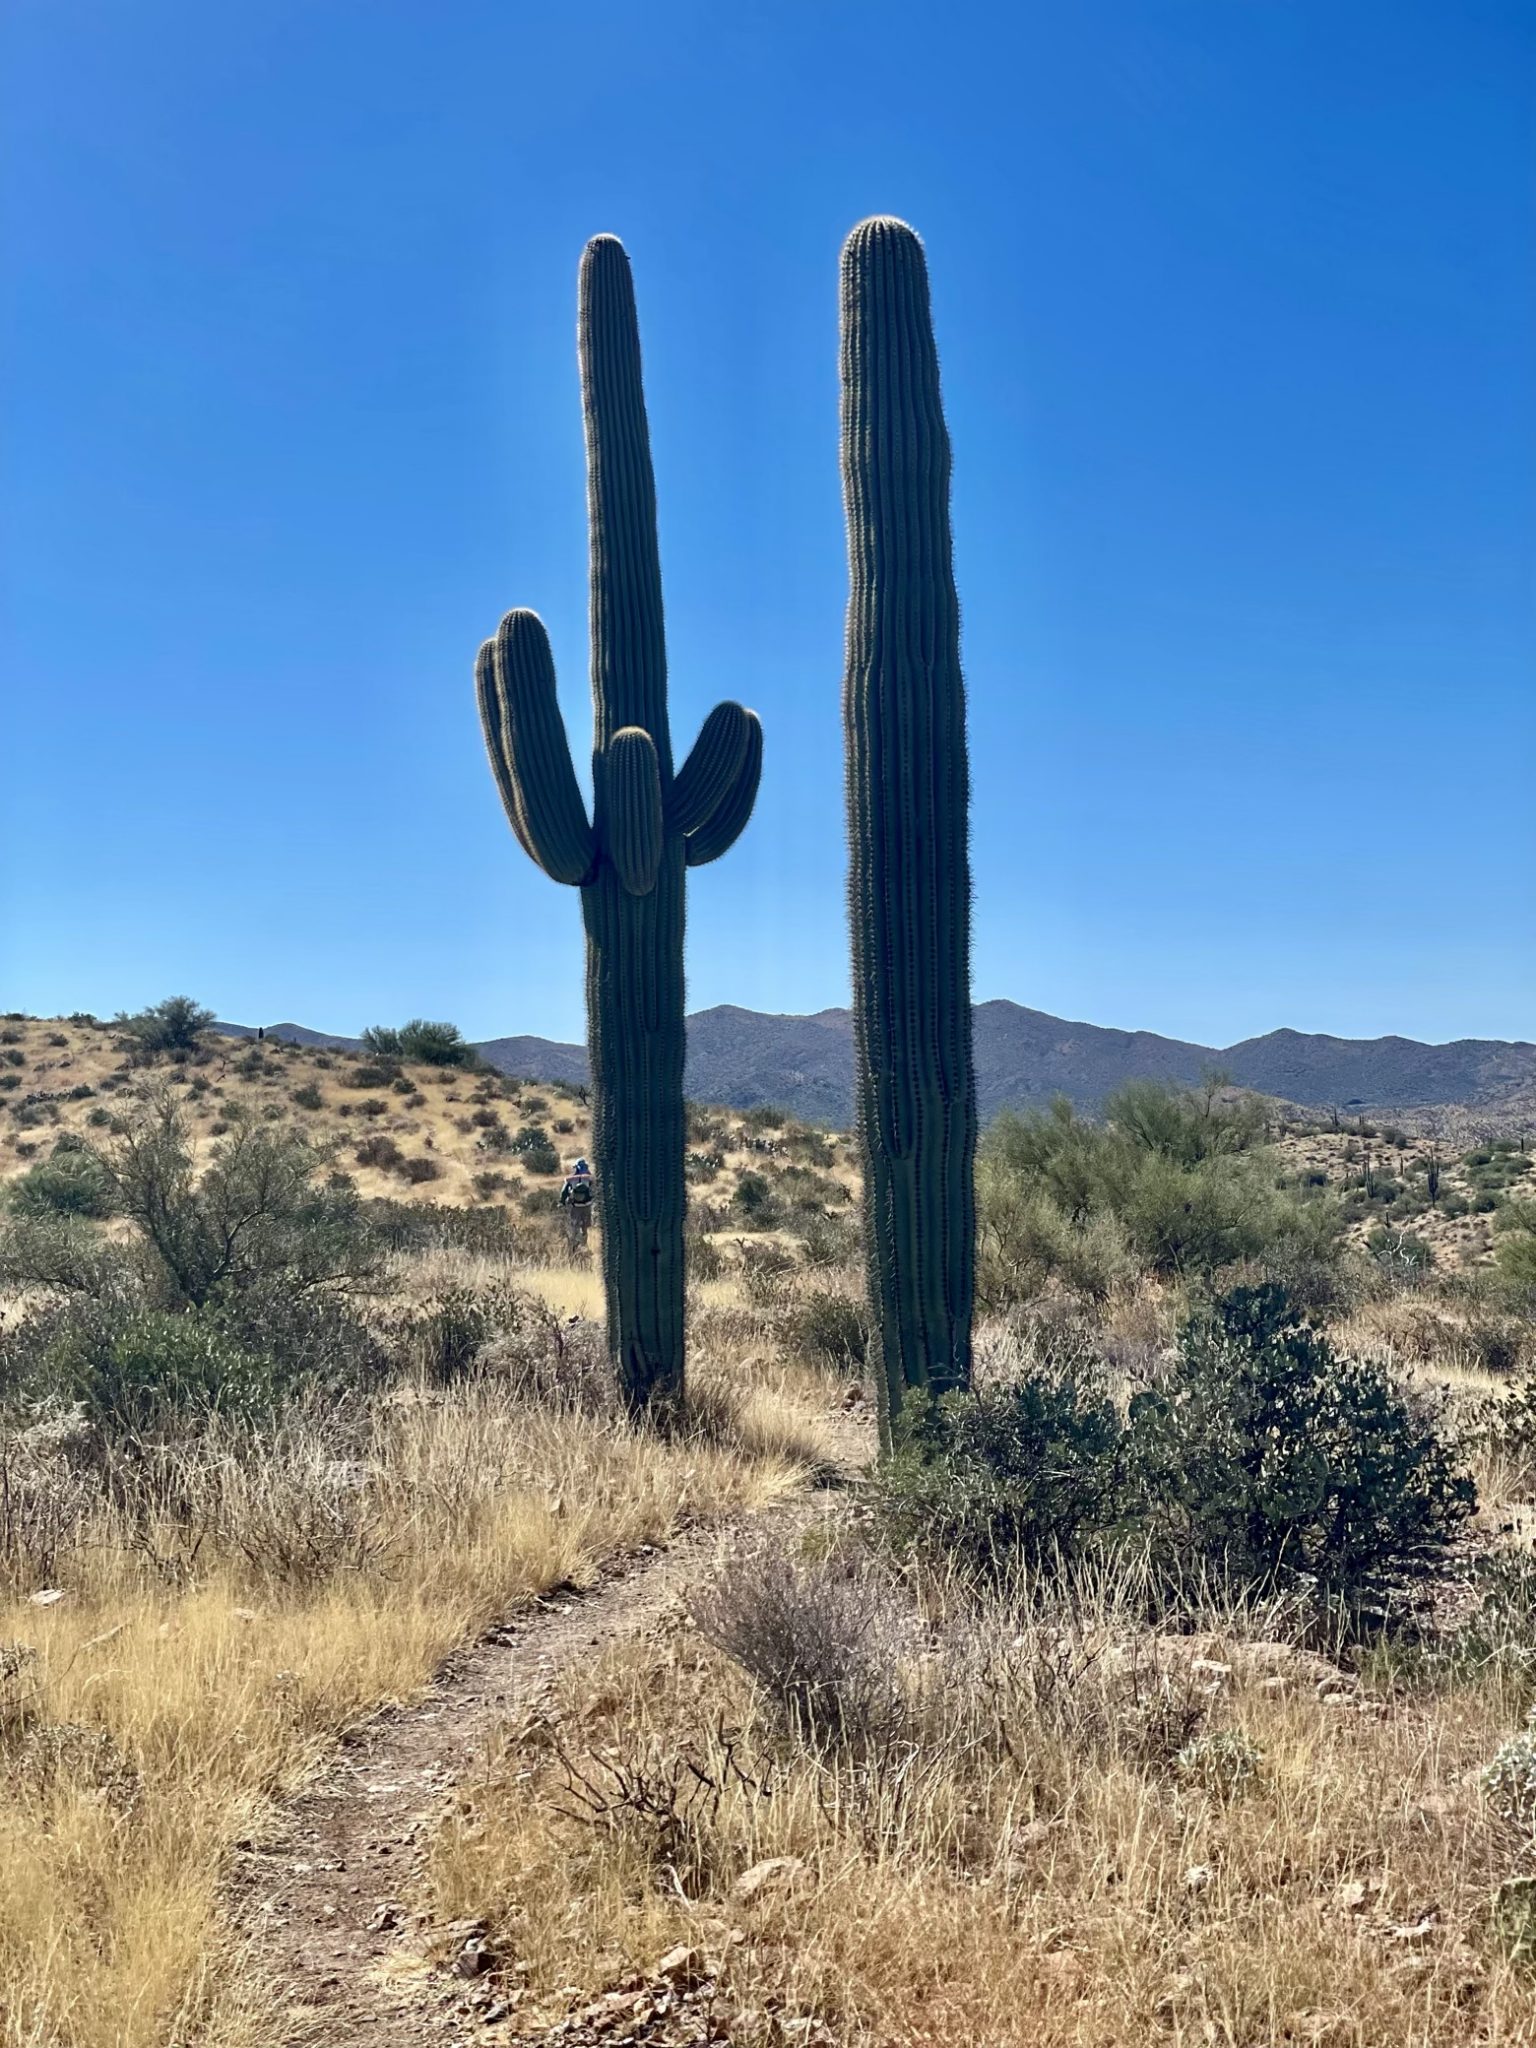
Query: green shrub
(535, 1148)
(380, 1151)
(1514, 1255)
(757, 1201)
(174, 1026)
(1171, 1182)
(433, 1045)
(1270, 1458)
(831, 1329)
(71, 1183)
(1028, 1475)
(1262, 1458)
(308, 1096)
(1025, 1241)
(135, 1370)
(1509, 1782)
(765, 1117)
(368, 1074)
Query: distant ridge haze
(1024, 1058)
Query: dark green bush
(368, 1074)
(765, 1117)
(535, 1148)
(381, 1151)
(1262, 1458)
(308, 1096)
(757, 1201)
(1267, 1456)
(1029, 1474)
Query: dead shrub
(823, 1639)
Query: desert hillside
(400, 1129)
(409, 1131)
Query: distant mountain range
(1024, 1058)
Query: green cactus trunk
(908, 796)
(648, 826)
(635, 1039)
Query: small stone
(472, 1960)
(385, 1917)
(50, 1596)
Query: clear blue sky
(1237, 308)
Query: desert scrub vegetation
(1256, 1455)
(1173, 1182)
(872, 1810)
(267, 1453)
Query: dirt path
(320, 1899)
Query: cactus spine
(628, 861)
(908, 791)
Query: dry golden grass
(196, 1668)
(1032, 1867)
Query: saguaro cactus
(628, 861)
(908, 792)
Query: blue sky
(1236, 302)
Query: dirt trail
(320, 1898)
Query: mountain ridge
(1024, 1058)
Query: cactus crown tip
(881, 227)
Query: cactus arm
(632, 809)
(725, 823)
(710, 769)
(629, 655)
(530, 757)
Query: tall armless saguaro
(628, 861)
(908, 792)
